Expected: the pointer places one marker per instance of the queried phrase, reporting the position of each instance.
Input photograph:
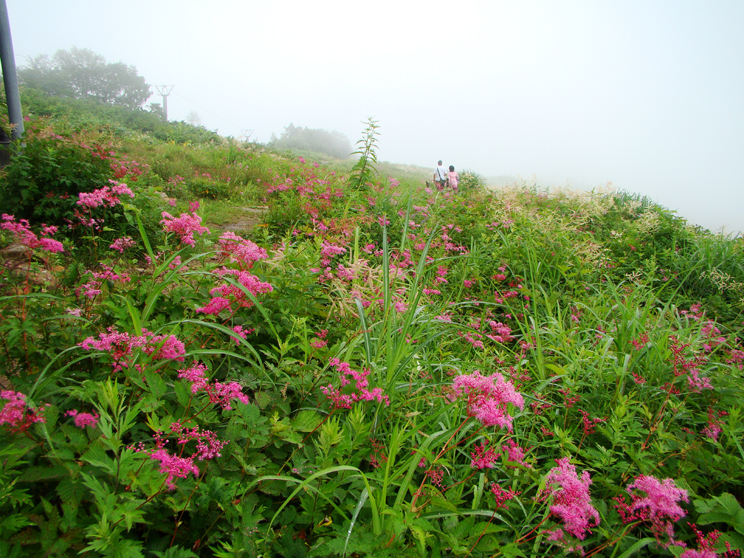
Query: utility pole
(10, 78)
(164, 91)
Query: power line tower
(164, 91)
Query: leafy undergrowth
(381, 370)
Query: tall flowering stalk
(571, 503)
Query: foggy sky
(646, 95)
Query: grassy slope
(590, 300)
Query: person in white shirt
(440, 176)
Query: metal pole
(164, 91)
(10, 78)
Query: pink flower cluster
(174, 466)
(184, 226)
(121, 345)
(219, 393)
(242, 332)
(16, 413)
(208, 446)
(23, 234)
(516, 453)
(483, 457)
(328, 251)
(83, 419)
(499, 333)
(571, 500)
(240, 250)
(688, 365)
(220, 300)
(122, 243)
(488, 397)
(320, 341)
(108, 196)
(706, 546)
(502, 496)
(363, 393)
(660, 506)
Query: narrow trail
(253, 216)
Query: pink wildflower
(659, 507)
(363, 392)
(208, 446)
(23, 234)
(214, 306)
(196, 374)
(483, 457)
(184, 226)
(219, 393)
(516, 453)
(502, 496)
(16, 413)
(121, 244)
(121, 346)
(83, 419)
(240, 250)
(222, 394)
(174, 467)
(488, 398)
(242, 333)
(91, 289)
(571, 499)
(220, 294)
(706, 546)
(108, 196)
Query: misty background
(646, 95)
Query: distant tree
(193, 118)
(83, 74)
(157, 109)
(313, 139)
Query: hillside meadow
(213, 349)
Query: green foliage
(300, 138)
(612, 319)
(72, 115)
(364, 172)
(45, 175)
(470, 180)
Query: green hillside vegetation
(224, 350)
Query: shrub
(47, 173)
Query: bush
(470, 180)
(45, 176)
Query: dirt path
(253, 216)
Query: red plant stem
(535, 528)
(482, 533)
(610, 543)
(441, 453)
(186, 505)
